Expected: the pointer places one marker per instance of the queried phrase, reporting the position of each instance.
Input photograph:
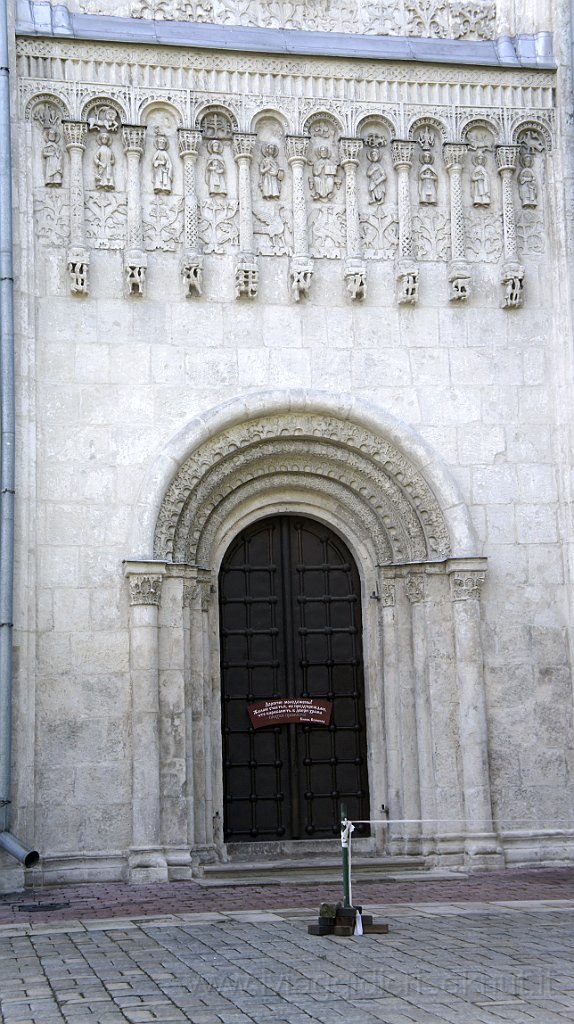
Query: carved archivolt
(307, 459)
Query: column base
(147, 865)
(483, 852)
(179, 863)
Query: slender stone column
(407, 271)
(135, 259)
(246, 271)
(391, 688)
(482, 847)
(78, 256)
(459, 271)
(512, 270)
(192, 263)
(355, 267)
(411, 599)
(147, 862)
(301, 268)
(172, 734)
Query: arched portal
(291, 646)
(364, 477)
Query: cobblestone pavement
(448, 963)
(487, 949)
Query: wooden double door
(290, 621)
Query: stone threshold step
(331, 876)
(360, 864)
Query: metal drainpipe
(8, 842)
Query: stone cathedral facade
(294, 419)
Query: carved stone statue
(527, 184)
(324, 173)
(162, 166)
(428, 179)
(104, 161)
(270, 173)
(52, 157)
(215, 171)
(376, 177)
(480, 181)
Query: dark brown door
(291, 627)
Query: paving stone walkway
(450, 963)
(489, 949)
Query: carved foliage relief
(455, 19)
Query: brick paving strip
(119, 899)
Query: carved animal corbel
(460, 281)
(407, 282)
(513, 284)
(192, 273)
(300, 276)
(135, 266)
(78, 263)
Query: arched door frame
(403, 520)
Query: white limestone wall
(105, 380)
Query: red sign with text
(295, 710)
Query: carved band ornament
(453, 19)
(317, 462)
(408, 183)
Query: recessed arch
(297, 443)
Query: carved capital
(75, 134)
(459, 280)
(192, 273)
(189, 141)
(133, 138)
(454, 154)
(507, 158)
(402, 153)
(388, 595)
(466, 586)
(349, 149)
(297, 147)
(135, 266)
(356, 279)
(513, 285)
(407, 282)
(78, 264)
(300, 277)
(243, 145)
(145, 589)
(246, 277)
(415, 588)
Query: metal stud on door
(290, 618)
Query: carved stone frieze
(163, 223)
(52, 218)
(218, 227)
(106, 219)
(272, 229)
(318, 450)
(459, 19)
(432, 234)
(380, 233)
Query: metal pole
(7, 431)
(8, 842)
(345, 858)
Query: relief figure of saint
(376, 177)
(527, 184)
(427, 181)
(162, 166)
(270, 173)
(215, 171)
(52, 157)
(479, 181)
(324, 173)
(104, 161)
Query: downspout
(8, 842)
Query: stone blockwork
(240, 278)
